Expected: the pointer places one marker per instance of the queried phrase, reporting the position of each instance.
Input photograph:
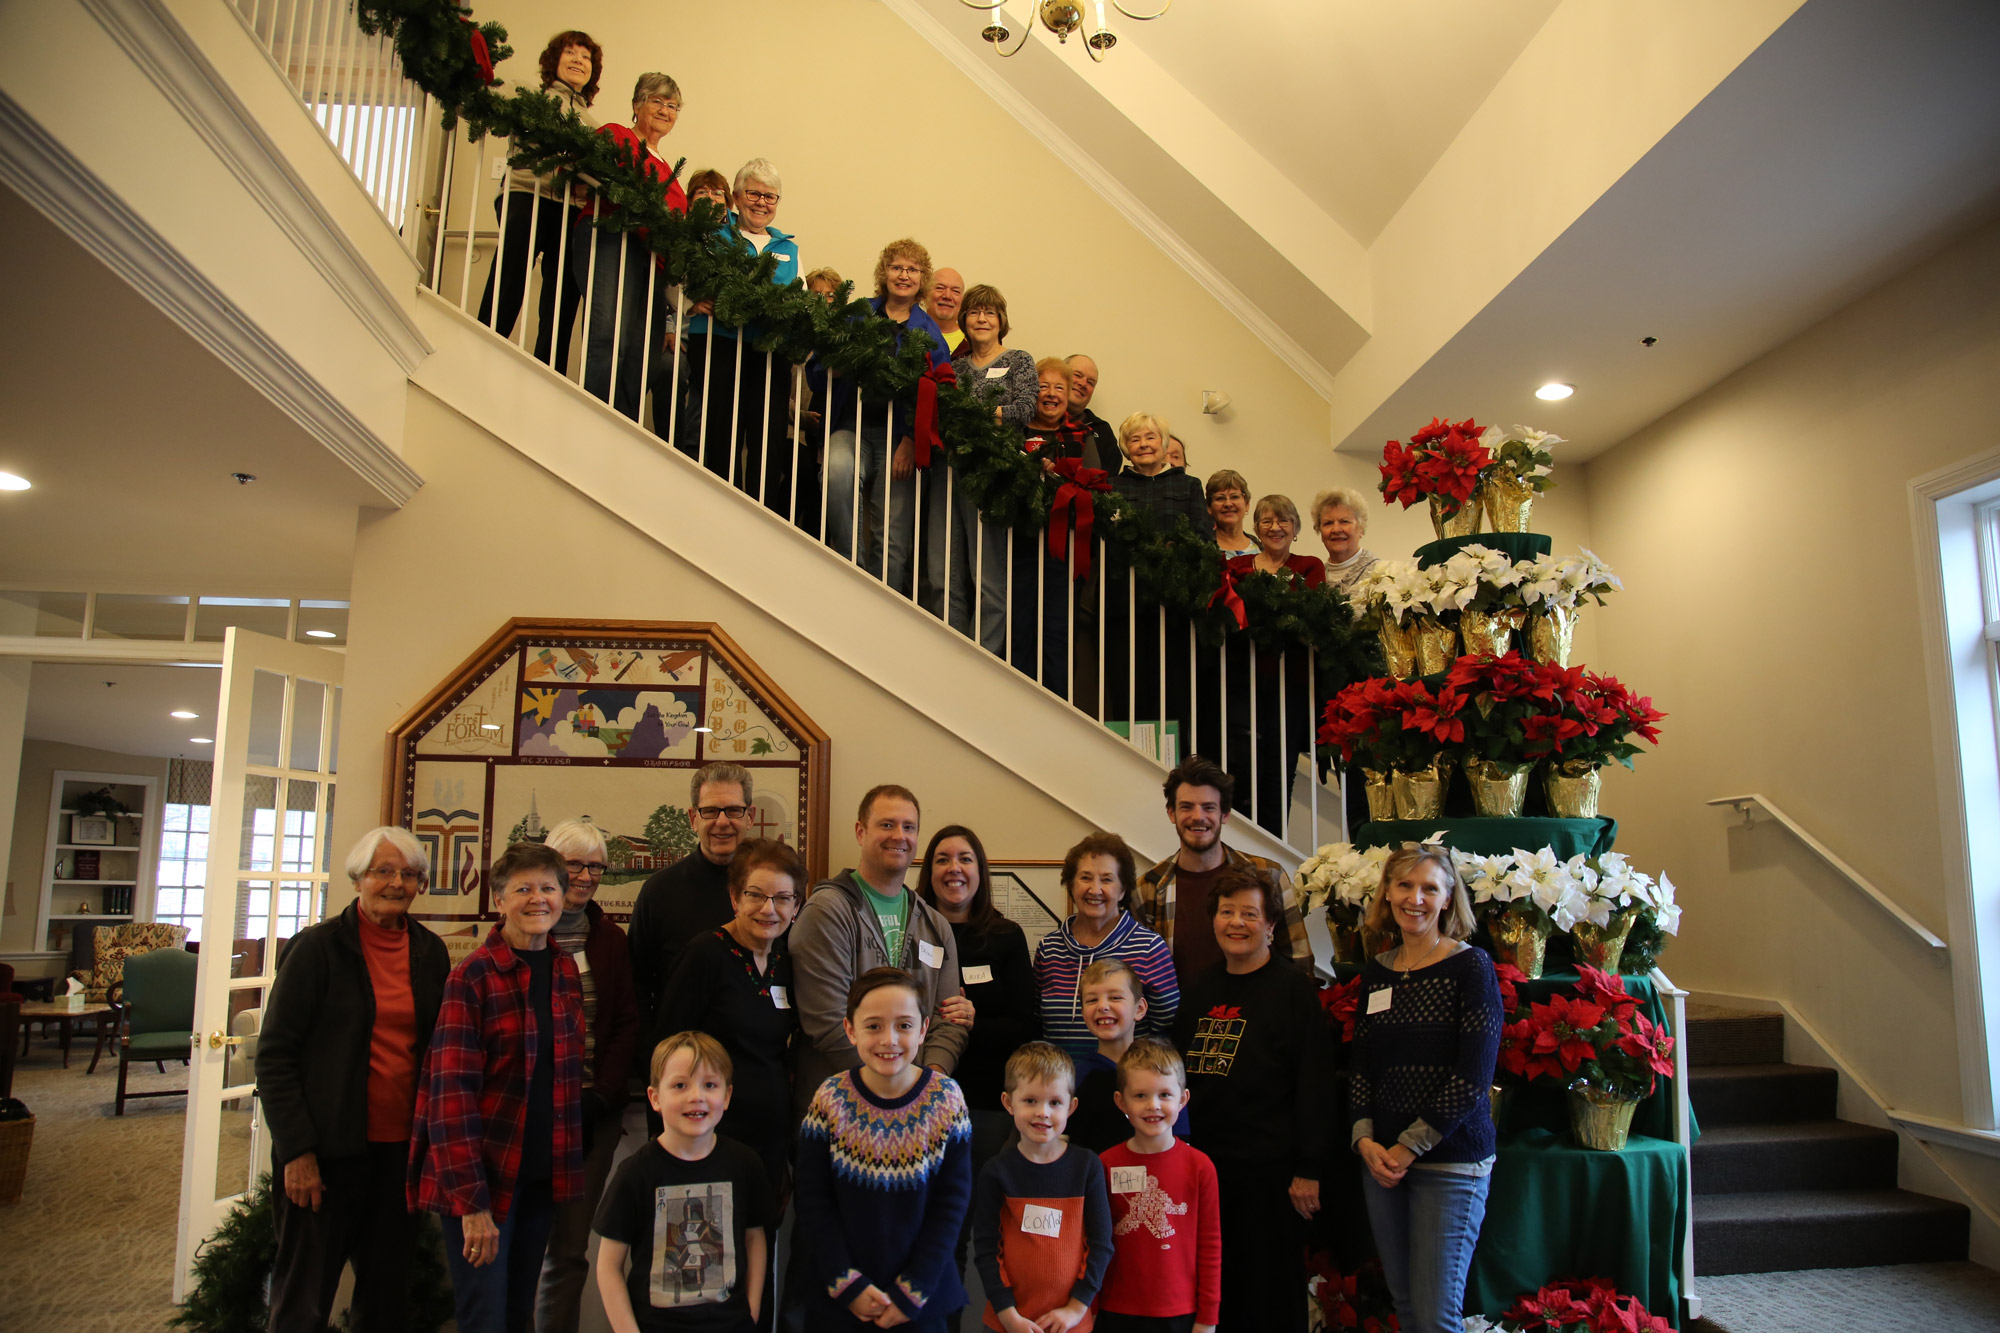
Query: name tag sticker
(779, 999)
(1039, 1220)
(996, 372)
(582, 961)
(976, 976)
(929, 954)
(1378, 1001)
(1128, 1179)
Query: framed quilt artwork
(552, 720)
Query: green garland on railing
(1175, 566)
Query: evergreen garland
(232, 1272)
(1176, 567)
(1643, 945)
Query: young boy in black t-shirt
(692, 1210)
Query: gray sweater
(1008, 383)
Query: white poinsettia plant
(1561, 582)
(1344, 877)
(1525, 452)
(1539, 884)
(1477, 578)
(1621, 888)
(1393, 590)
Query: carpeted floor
(1923, 1298)
(90, 1246)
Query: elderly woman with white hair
(737, 403)
(1341, 516)
(610, 1041)
(1283, 683)
(345, 1030)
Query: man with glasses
(691, 896)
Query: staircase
(1783, 1184)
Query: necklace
(1421, 961)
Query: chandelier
(1061, 17)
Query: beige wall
(1762, 532)
(39, 762)
(540, 549)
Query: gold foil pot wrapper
(1600, 1119)
(1346, 946)
(1499, 790)
(1399, 646)
(1490, 633)
(1508, 500)
(1437, 646)
(1603, 947)
(1463, 523)
(1573, 786)
(1419, 792)
(1551, 631)
(1497, 1098)
(1376, 786)
(1520, 940)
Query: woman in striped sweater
(1098, 874)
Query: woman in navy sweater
(1424, 1049)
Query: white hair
(576, 836)
(362, 854)
(1346, 498)
(758, 169)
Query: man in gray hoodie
(864, 918)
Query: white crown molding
(45, 173)
(157, 44)
(1134, 210)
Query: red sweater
(1310, 568)
(653, 166)
(1168, 1235)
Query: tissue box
(73, 1002)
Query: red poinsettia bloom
(1517, 1051)
(1547, 734)
(1510, 978)
(1431, 434)
(1399, 474)
(1650, 1042)
(1564, 1029)
(1342, 1003)
(1602, 988)
(1437, 716)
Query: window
(177, 895)
(295, 850)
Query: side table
(65, 1019)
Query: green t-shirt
(891, 911)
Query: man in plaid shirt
(1172, 897)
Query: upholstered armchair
(112, 945)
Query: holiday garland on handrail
(451, 58)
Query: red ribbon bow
(481, 57)
(927, 409)
(1227, 595)
(1073, 502)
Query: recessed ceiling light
(202, 740)
(182, 713)
(321, 634)
(1554, 393)
(10, 482)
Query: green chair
(159, 1011)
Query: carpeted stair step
(1761, 1094)
(1717, 1035)
(1798, 1155)
(1785, 1230)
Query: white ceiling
(124, 709)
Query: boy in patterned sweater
(1166, 1275)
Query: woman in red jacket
(498, 1135)
(1284, 679)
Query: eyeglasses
(760, 196)
(396, 872)
(591, 868)
(906, 271)
(722, 811)
(661, 104)
(756, 898)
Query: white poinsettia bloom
(1597, 911)
(1573, 906)
(1478, 1323)
(1492, 438)
(1540, 441)
(1669, 918)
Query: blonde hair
(902, 249)
(1048, 363)
(707, 1051)
(1039, 1062)
(1154, 1057)
(1454, 922)
(1130, 425)
(1105, 968)
(1340, 495)
(830, 276)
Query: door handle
(216, 1041)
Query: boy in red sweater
(1166, 1272)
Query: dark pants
(721, 392)
(500, 1297)
(990, 1133)
(533, 228)
(620, 340)
(362, 1218)
(1283, 719)
(1264, 1277)
(565, 1271)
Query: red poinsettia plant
(1342, 1003)
(1390, 723)
(1443, 459)
(1581, 1305)
(1520, 711)
(1358, 1300)
(1602, 719)
(1594, 1033)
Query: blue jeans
(619, 281)
(1425, 1230)
(500, 1297)
(862, 461)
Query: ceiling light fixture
(1061, 17)
(321, 634)
(1554, 393)
(183, 714)
(10, 482)
(202, 740)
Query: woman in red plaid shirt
(498, 1140)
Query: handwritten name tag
(1378, 1001)
(976, 976)
(996, 372)
(929, 954)
(780, 1000)
(1128, 1179)
(1039, 1220)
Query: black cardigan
(1007, 1009)
(312, 1049)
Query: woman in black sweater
(1260, 1066)
(1136, 629)
(1424, 1047)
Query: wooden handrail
(1748, 806)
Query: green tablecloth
(1556, 1210)
(1518, 545)
(1492, 837)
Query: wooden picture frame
(93, 830)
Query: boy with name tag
(1166, 1274)
(1114, 1001)
(1041, 1226)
